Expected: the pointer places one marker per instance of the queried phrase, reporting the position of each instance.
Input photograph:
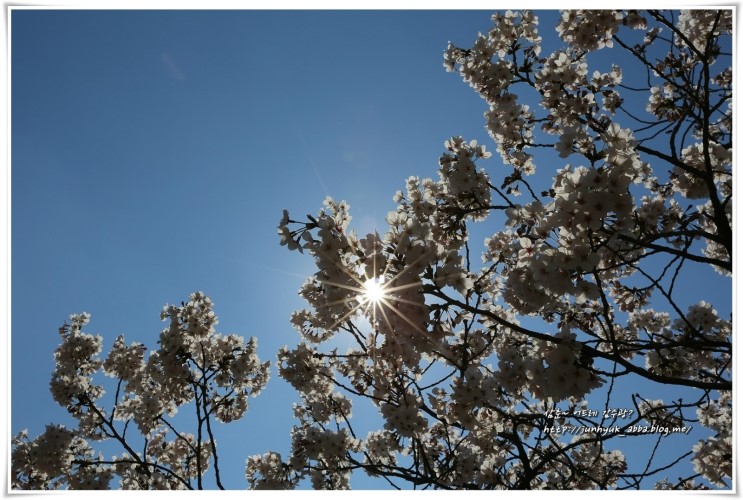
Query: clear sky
(153, 153)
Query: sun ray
(386, 319)
(373, 294)
(341, 267)
(401, 273)
(344, 318)
(405, 318)
(341, 285)
(406, 301)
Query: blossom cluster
(54, 459)
(193, 364)
(713, 456)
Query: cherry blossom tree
(477, 356)
(194, 368)
(477, 368)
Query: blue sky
(153, 153)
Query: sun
(374, 291)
